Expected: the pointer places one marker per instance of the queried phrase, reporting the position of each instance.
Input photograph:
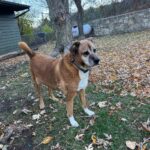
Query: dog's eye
(86, 53)
(94, 50)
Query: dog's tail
(26, 48)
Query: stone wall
(129, 22)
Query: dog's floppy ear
(74, 48)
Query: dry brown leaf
(94, 139)
(47, 140)
(131, 144)
(144, 147)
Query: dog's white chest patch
(83, 80)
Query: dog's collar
(80, 67)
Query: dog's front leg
(69, 107)
(84, 103)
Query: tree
(25, 25)
(80, 16)
(59, 15)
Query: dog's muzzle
(94, 60)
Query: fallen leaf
(79, 137)
(29, 94)
(108, 137)
(33, 133)
(3, 88)
(146, 125)
(24, 75)
(133, 94)
(29, 125)
(47, 140)
(32, 97)
(131, 144)
(85, 129)
(102, 142)
(123, 119)
(14, 112)
(26, 111)
(90, 147)
(144, 147)
(102, 104)
(123, 93)
(92, 121)
(94, 139)
(119, 105)
(92, 104)
(17, 122)
(56, 147)
(36, 116)
(42, 112)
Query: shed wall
(9, 34)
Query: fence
(128, 22)
(38, 38)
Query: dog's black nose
(96, 61)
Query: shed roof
(6, 6)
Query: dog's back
(41, 65)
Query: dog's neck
(78, 64)
(80, 67)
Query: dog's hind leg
(38, 91)
(37, 86)
(84, 103)
(51, 95)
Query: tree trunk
(80, 16)
(59, 14)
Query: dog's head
(84, 52)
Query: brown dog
(69, 74)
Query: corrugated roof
(11, 6)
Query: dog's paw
(73, 122)
(89, 112)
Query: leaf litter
(127, 64)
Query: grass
(15, 97)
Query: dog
(69, 74)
